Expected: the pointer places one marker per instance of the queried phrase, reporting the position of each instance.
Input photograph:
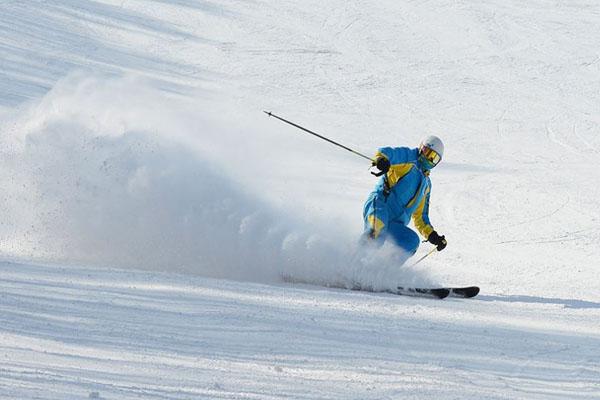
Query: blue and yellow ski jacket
(408, 188)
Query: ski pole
(270, 114)
(425, 256)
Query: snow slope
(71, 332)
(133, 138)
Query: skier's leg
(376, 216)
(406, 239)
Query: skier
(402, 192)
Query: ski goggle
(430, 155)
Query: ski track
(122, 122)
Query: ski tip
(268, 113)
(465, 292)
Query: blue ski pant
(381, 227)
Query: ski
(435, 293)
(432, 293)
(464, 292)
(438, 293)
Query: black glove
(437, 240)
(382, 164)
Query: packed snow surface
(150, 209)
(67, 332)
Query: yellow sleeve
(420, 218)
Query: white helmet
(431, 151)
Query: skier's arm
(395, 155)
(421, 220)
(421, 216)
(400, 161)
